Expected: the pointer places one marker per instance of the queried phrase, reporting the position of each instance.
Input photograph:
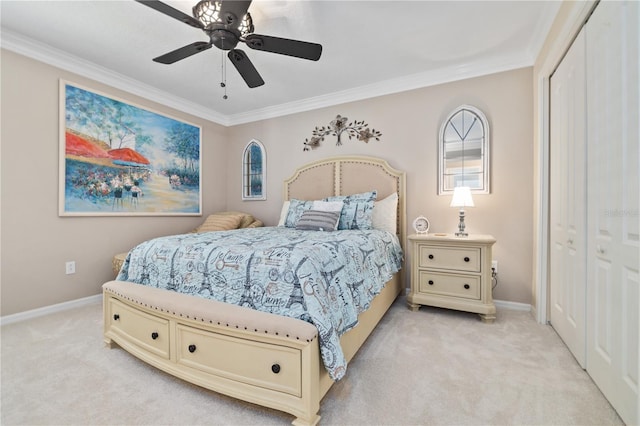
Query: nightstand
(452, 272)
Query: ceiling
(370, 48)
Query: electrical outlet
(494, 266)
(70, 267)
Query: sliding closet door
(567, 150)
(613, 207)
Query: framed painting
(118, 159)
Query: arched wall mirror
(464, 151)
(254, 171)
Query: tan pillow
(220, 222)
(247, 219)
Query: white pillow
(283, 213)
(385, 214)
(328, 206)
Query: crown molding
(541, 30)
(388, 87)
(60, 59)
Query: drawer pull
(192, 348)
(116, 317)
(430, 256)
(430, 282)
(154, 335)
(466, 286)
(466, 259)
(275, 368)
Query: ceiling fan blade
(183, 52)
(246, 69)
(174, 13)
(232, 11)
(284, 46)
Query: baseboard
(46, 310)
(514, 306)
(35, 313)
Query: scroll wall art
(354, 129)
(117, 159)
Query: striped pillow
(318, 220)
(220, 222)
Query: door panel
(567, 200)
(613, 254)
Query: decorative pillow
(255, 224)
(328, 206)
(385, 212)
(283, 213)
(357, 210)
(318, 220)
(220, 222)
(296, 208)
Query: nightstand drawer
(453, 258)
(467, 286)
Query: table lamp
(461, 198)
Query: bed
(272, 358)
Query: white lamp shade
(462, 197)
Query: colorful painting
(120, 159)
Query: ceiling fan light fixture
(208, 12)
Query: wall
(36, 242)
(409, 123)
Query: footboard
(254, 356)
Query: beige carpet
(433, 367)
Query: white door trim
(576, 17)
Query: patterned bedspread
(326, 278)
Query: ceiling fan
(227, 23)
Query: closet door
(613, 208)
(567, 254)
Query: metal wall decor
(357, 129)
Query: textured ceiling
(369, 48)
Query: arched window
(254, 172)
(464, 151)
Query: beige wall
(410, 122)
(36, 242)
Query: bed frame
(254, 356)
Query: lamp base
(461, 225)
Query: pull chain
(223, 71)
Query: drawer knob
(430, 282)
(192, 348)
(466, 259)
(430, 256)
(154, 335)
(275, 368)
(116, 317)
(466, 286)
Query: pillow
(318, 220)
(255, 224)
(357, 210)
(283, 213)
(328, 206)
(220, 222)
(296, 208)
(385, 212)
(247, 219)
